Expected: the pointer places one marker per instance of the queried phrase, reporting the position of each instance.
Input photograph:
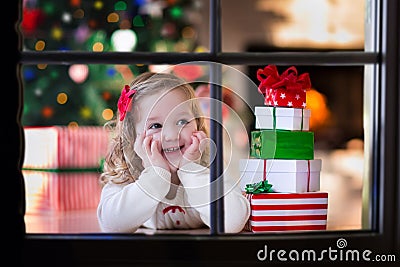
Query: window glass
(85, 95)
(77, 94)
(291, 24)
(338, 122)
(118, 25)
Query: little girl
(156, 172)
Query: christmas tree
(87, 94)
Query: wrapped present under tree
(65, 148)
(61, 191)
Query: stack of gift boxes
(61, 167)
(281, 178)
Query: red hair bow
(270, 79)
(124, 101)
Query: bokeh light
(98, 47)
(113, 17)
(62, 98)
(124, 40)
(107, 114)
(40, 45)
(78, 73)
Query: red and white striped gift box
(288, 211)
(61, 191)
(63, 147)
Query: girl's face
(170, 120)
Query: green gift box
(278, 144)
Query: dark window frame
(218, 248)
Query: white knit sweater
(125, 208)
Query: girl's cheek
(156, 136)
(151, 132)
(187, 133)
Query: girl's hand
(195, 150)
(148, 150)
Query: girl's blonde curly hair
(122, 165)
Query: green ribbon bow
(260, 187)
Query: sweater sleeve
(124, 208)
(196, 181)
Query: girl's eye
(155, 126)
(182, 122)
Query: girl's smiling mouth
(172, 149)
